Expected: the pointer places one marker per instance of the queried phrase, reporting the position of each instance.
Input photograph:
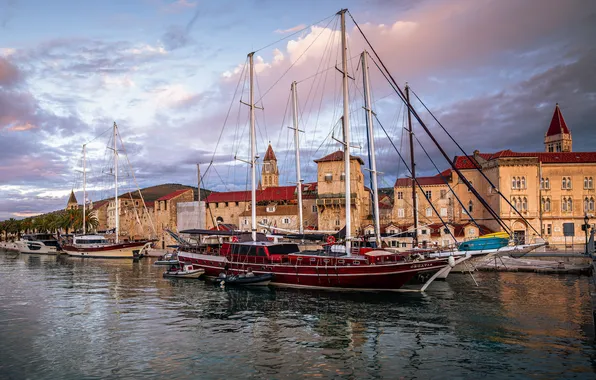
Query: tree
(3, 230)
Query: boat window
(283, 249)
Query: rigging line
(296, 32)
(262, 106)
(221, 179)
(135, 180)
(324, 86)
(236, 140)
(446, 182)
(475, 164)
(415, 179)
(411, 109)
(327, 49)
(293, 63)
(226, 119)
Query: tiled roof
(463, 162)
(338, 156)
(557, 124)
(280, 193)
(438, 179)
(171, 195)
(269, 155)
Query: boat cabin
(47, 239)
(90, 240)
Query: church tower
(72, 202)
(558, 137)
(269, 172)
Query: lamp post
(586, 226)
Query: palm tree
(14, 227)
(27, 225)
(3, 230)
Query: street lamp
(586, 226)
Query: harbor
(389, 192)
(73, 318)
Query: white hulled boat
(38, 243)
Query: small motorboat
(248, 279)
(167, 259)
(183, 271)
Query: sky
(172, 75)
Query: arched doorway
(519, 232)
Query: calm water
(66, 318)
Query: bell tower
(269, 172)
(558, 137)
(72, 202)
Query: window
(226, 204)
(564, 205)
(342, 177)
(286, 221)
(523, 182)
(566, 184)
(328, 177)
(314, 208)
(588, 204)
(470, 206)
(270, 208)
(525, 204)
(567, 204)
(443, 211)
(264, 221)
(443, 194)
(424, 232)
(472, 231)
(588, 183)
(400, 213)
(429, 211)
(219, 219)
(404, 245)
(547, 229)
(394, 243)
(400, 195)
(513, 183)
(337, 222)
(518, 183)
(267, 167)
(558, 147)
(245, 222)
(429, 194)
(545, 203)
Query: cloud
(7, 8)
(22, 127)
(291, 30)
(179, 6)
(9, 74)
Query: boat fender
(451, 261)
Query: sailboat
(98, 246)
(374, 270)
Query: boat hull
(195, 273)
(8, 246)
(112, 251)
(36, 248)
(481, 244)
(391, 276)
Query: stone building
(331, 193)
(548, 188)
(269, 171)
(72, 203)
(165, 215)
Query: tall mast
(199, 195)
(413, 168)
(346, 123)
(297, 144)
(253, 158)
(371, 147)
(84, 186)
(116, 184)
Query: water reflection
(72, 318)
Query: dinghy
(183, 271)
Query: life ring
(234, 239)
(330, 239)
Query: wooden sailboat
(375, 269)
(98, 246)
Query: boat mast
(199, 195)
(84, 186)
(297, 146)
(253, 157)
(413, 169)
(371, 147)
(346, 124)
(116, 184)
